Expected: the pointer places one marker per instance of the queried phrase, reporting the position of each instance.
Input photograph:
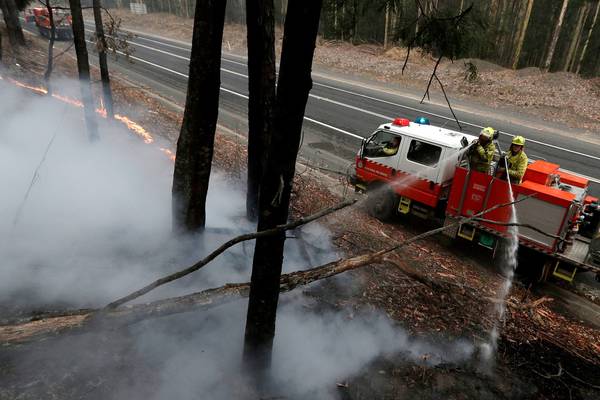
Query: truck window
(382, 144)
(424, 153)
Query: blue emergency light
(422, 120)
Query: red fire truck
(415, 168)
(62, 23)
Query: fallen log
(109, 318)
(46, 328)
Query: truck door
(421, 159)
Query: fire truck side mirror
(464, 142)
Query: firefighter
(516, 160)
(391, 147)
(482, 150)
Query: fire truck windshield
(382, 144)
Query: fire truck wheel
(382, 203)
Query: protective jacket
(517, 164)
(389, 149)
(480, 157)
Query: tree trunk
(587, 39)
(83, 67)
(521, 37)
(101, 46)
(555, 36)
(260, 23)
(581, 18)
(196, 139)
(386, 26)
(50, 64)
(300, 33)
(13, 26)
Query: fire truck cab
(409, 166)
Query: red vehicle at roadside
(415, 168)
(62, 23)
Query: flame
(135, 128)
(37, 89)
(68, 100)
(168, 152)
(101, 110)
(131, 125)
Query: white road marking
(344, 104)
(243, 96)
(382, 116)
(334, 128)
(452, 119)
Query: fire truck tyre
(382, 203)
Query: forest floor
(553, 97)
(543, 353)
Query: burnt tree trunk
(260, 23)
(300, 32)
(83, 67)
(197, 135)
(11, 19)
(50, 63)
(101, 46)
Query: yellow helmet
(519, 140)
(487, 132)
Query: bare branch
(437, 63)
(448, 102)
(222, 248)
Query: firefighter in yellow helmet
(516, 159)
(482, 150)
(391, 148)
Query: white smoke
(96, 225)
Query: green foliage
(445, 33)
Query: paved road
(342, 112)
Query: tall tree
(11, 19)
(83, 68)
(576, 37)
(260, 22)
(522, 32)
(587, 38)
(555, 35)
(101, 46)
(294, 84)
(196, 138)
